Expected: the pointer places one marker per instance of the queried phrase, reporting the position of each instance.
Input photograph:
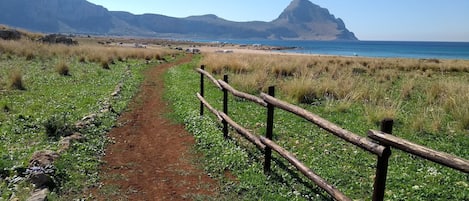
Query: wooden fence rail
(331, 190)
(244, 132)
(243, 95)
(381, 148)
(424, 152)
(348, 136)
(203, 72)
(209, 107)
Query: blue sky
(402, 20)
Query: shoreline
(246, 50)
(364, 49)
(229, 48)
(272, 50)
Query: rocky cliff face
(312, 22)
(56, 15)
(301, 20)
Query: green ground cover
(51, 98)
(345, 166)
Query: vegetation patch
(16, 80)
(38, 118)
(353, 99)
(57, 126)
(62, 68)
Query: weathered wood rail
(418, 150)
(378, 143)
(348, 136)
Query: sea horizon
(366, 48)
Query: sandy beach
(237, 49)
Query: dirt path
(151, 157)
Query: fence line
(424, 152)
(239, 94)
(202, 71)
(348, 136)
(381, 148)
(331, 190)
(209, 107)
(244, 132)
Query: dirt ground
(151, 157)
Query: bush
(5, 108)
(5, 164)
(105, 65)
(62, 68)
(16, 80)
(158, 57)
(82, 59)
(57, 127)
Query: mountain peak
(303, 11)
(300, 3)
(315, 23)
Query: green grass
(49, 96)
(343, 165)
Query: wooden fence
(378, 143)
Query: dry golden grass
(407, 88)
(252, 83)
(62, 68)
(16, 80)
(301, 90)
(105, 64)
(456, 101)
(382, 85)
(376, 113)
(87, 52)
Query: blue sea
(388, 49)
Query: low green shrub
(57, 126)
(5, 165)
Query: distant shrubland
(429, 95)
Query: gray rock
(67, 141)
(41, 179)
(43, 158)
(39, 195)
(10, 34)
(58, 39)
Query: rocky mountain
(56, 15)
(301, 20)
(309, 21)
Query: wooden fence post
(382, 166)
(202, 90)
(269, 132)
(225, 107)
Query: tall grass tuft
(62, 68)
(82, 59)
(302, 91)
(376, 113)
(435, 92)
(407, 88)
(105, 64)
(456, 103)
(253, 83)
(16, 80)
(284, 71)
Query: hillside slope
(301, 20)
